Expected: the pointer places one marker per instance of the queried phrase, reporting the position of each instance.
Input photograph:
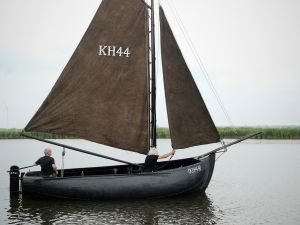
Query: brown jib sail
(189, 120)
(102, 93)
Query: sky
(250, 50)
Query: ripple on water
(192, 209)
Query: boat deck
(119, 169)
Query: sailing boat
(107, 94)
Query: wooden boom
(231, 143)
(81, 150)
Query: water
(256, 182)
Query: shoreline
(268, 133)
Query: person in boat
(47, 163)
(152, 157)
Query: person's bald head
(48, 151)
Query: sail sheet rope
(200, 63)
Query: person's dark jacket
(46, 165)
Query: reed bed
(267, 132)
(162, 132)
(15, 134)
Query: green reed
(162, 132)
(15, 134)
(267, 132)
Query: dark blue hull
(124, 182)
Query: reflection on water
(191, 209)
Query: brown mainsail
(189, 120)
(102, 93)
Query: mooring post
(14, 173)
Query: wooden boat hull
(193, 175)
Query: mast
(153, 80)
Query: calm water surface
(256, 182)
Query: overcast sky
(250, 50)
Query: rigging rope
(63, 162)
(147, 22)
(164, 165)
(220, 155)
(200, 63)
